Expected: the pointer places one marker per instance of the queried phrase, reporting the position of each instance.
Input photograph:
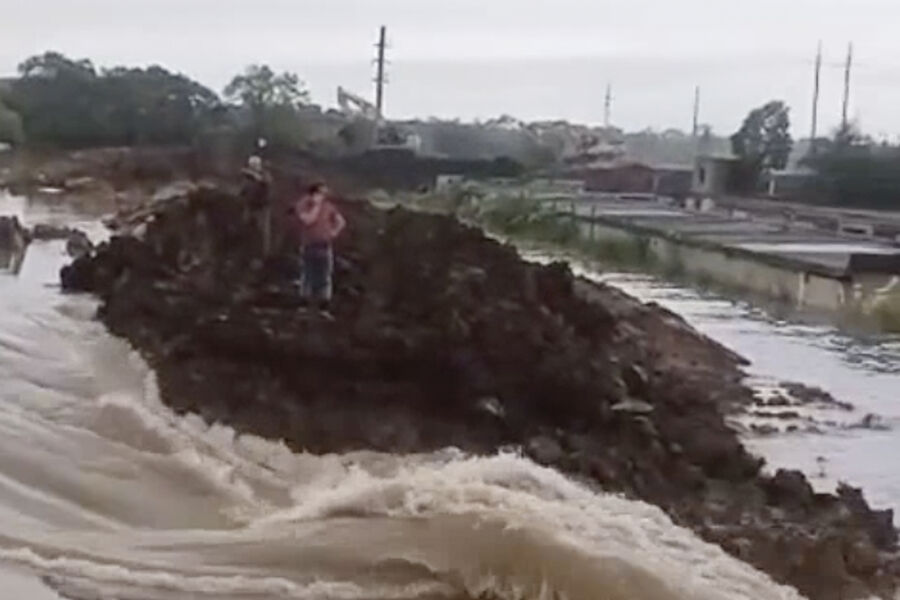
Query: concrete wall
(727, 268)
(824, 292)
(734, 272)
(771, 276)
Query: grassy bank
(529, 223)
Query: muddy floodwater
(863, 370)
(104, 493)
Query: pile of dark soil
(445, 337)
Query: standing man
(320, 223)
(255, 192)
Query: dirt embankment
(445, 337)
(116, 167)
(100, 179)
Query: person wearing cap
(255, 192)
(319, 223)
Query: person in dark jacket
(255, 186)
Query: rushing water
(107, 494)
(861, 370)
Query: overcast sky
(481, 58)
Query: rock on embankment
(444, 337)
(15, 238)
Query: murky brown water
(859, 369)
(107, 494)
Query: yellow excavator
(387, 136)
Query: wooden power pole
(380, 77)
(817, 78)
(696, 129)
(846, 107)
(607, 107)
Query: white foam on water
(79, 569)
(499, 526)
(106, 491)
(546, 509)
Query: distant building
(617, 177)
(790, 182)
(601, 164)
(556, 186)
(713, 175)
(674, 181)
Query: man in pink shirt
(320, 223)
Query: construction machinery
(353, 105)
(386, 136)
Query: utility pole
(380, 78)
(607, 107)
(696, 128)
(815, 106)
(847, 69)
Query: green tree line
(848, 169)
(854, 170)
(59, 101)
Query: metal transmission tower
(381, 75)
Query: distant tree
(260, 90)
(849, 134)
(68, 102)
(673, 134)
(763, 142)
(853, 170)
(57, 99)
(258, 85)
(52, 65)
(11, 130)
(153, 105)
